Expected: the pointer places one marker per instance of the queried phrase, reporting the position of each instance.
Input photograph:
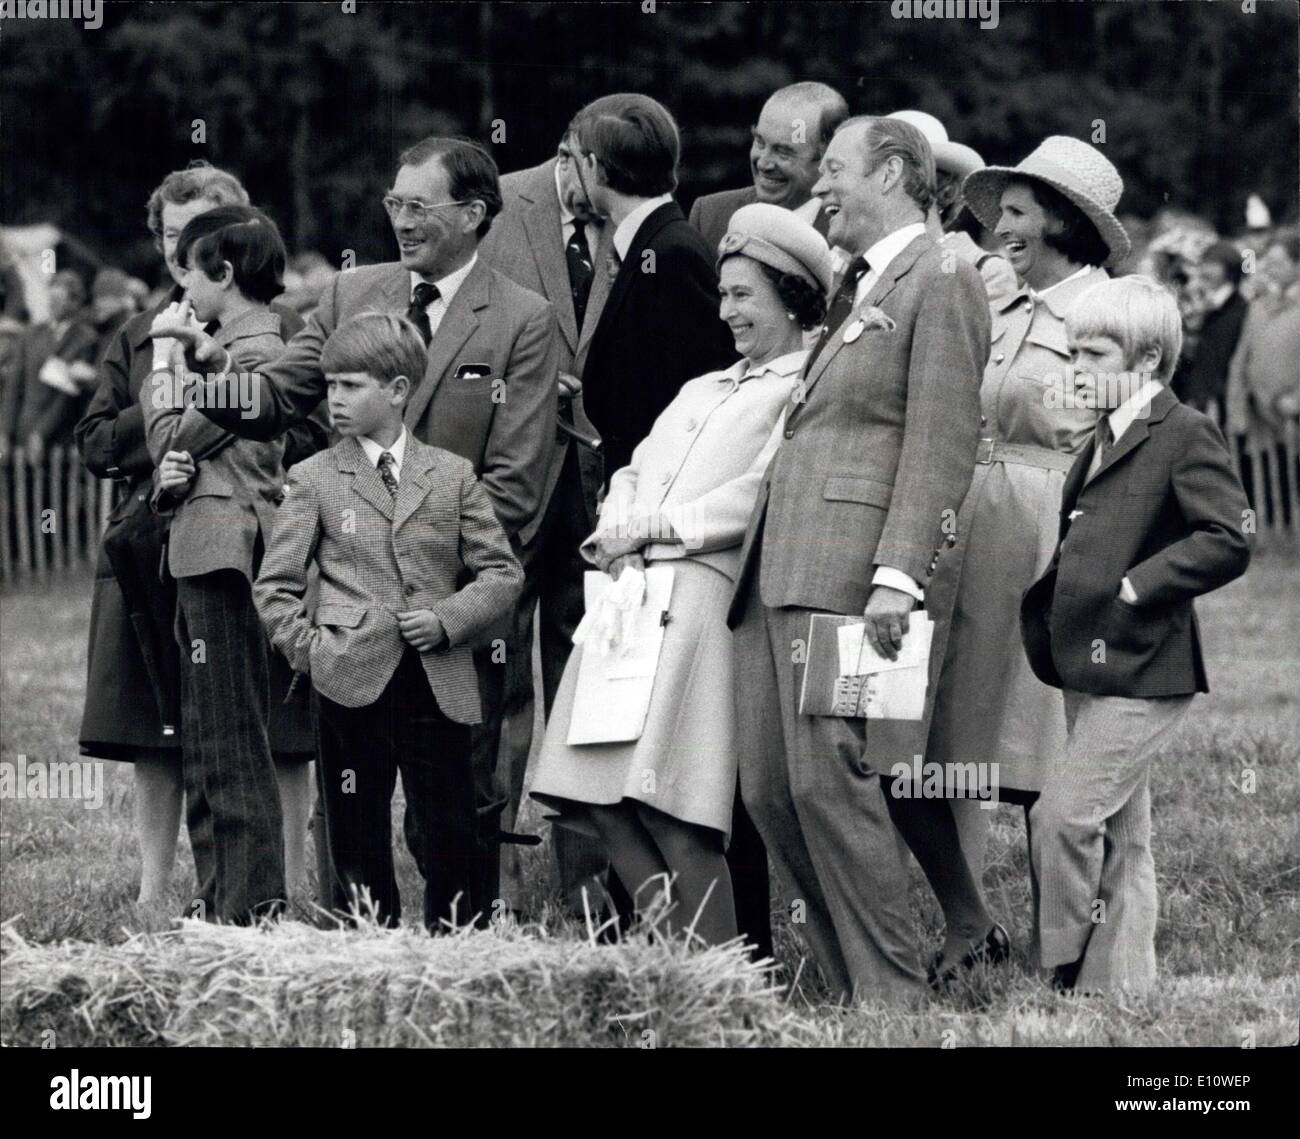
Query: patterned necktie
(842, 305)
(386, 464)
(423, 296)
(581, 271)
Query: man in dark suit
(488, 392)
(789, 140)
(548, 239)
(660, 325)
(1202, 379)
(879, 446)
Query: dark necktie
(423, 296)
(581, 271)
(842, 304)
(1105, 441)
(386, 464)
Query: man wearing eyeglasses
(550, 239)
(488, 393)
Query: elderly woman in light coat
(663, 803)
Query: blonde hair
(1137, 313)
(380, 344)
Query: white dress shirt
(626, 231)
(882, 253)
(398, 450)
(447, 288)
(878, 258)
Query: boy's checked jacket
(436, 546)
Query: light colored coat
(437, 546)
(879, 441)
(988, 704)
(703, 461)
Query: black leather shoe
(993, 950)
(1064, 976)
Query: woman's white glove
(609, 627)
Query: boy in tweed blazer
(414, 567)
(1152, 517)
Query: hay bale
(294, 985)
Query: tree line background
(310, 104)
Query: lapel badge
(853, 331)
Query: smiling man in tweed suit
(879, 441)
(414, 567)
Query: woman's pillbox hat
(774, 236)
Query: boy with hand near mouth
(1151, 518)
(413, 568)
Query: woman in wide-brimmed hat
(1054, 214)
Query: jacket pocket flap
(344, 616)
(871, 492)
(210, 487)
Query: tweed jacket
(879, 441)
(488, 392)
(437, 546)
(701, 465)
(526, 243)
(1165, 510)
(237, 482)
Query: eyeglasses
(419, 210)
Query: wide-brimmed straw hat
(776, 237)
(1079, 171)
(954, 157)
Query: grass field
(1226, 806)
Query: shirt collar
(449, 285)
(1121, 419)
(373, 450)
(887, 248)
(1058, 297)
(626, 231)
(791, 364)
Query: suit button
(409, 589)
(789, 432)
(952, 539)
(692, 424)
(999, 358)
(984, 420)
(663, 478)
